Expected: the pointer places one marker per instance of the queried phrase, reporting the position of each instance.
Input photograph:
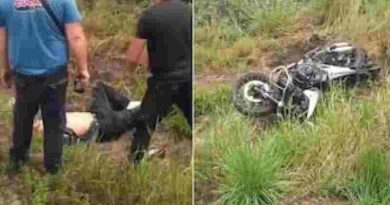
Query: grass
(341, 155)
(369, 185)
(91, 175)
(227, 31)
(261, 166)
(222, 46)
(250, 175)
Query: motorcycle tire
(244, 106)
(374, 70)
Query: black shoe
(137, 157)
(53, 170)
(14, 167)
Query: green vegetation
(342, 153)
(91, 177)
(340, 156)
(232, 35)
(101, 174)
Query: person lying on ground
(111, 115)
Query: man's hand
(83, 75)
(7, 78)
(84, 79)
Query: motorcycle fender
(342, 44)
(343, 49)
(133, 105)
(335, 72)
(313, 95)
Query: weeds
(91, 177)
(371, 181)
(246, 16)
(294, 158)
(223, 25)
(251, 177)
(206, 103)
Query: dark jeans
(48, 94)
(109, 106)
(158, 101)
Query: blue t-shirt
(35, 44)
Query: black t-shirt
(167, 27)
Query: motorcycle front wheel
(249, 95)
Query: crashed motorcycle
(294, 90)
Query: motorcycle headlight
(308, 74)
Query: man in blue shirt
(35, 51)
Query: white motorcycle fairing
(335, 72)
(313, 95)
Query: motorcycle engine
(308, 75)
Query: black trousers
(48, 94)
(157, 102)
(109, 107)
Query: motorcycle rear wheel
(245, 102)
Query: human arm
(4, 62)
(78, 45)
(76, 38)
(135, 53)
(136, 50)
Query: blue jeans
(47, 93)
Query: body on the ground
(111, 114)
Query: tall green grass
(222, 24)
(370, 184)
(253, 165)
(228, 32)
(247, 16)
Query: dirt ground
(295, 47)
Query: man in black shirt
(166, 29)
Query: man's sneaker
(53, 170)
(14, 167)
(137, 156)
